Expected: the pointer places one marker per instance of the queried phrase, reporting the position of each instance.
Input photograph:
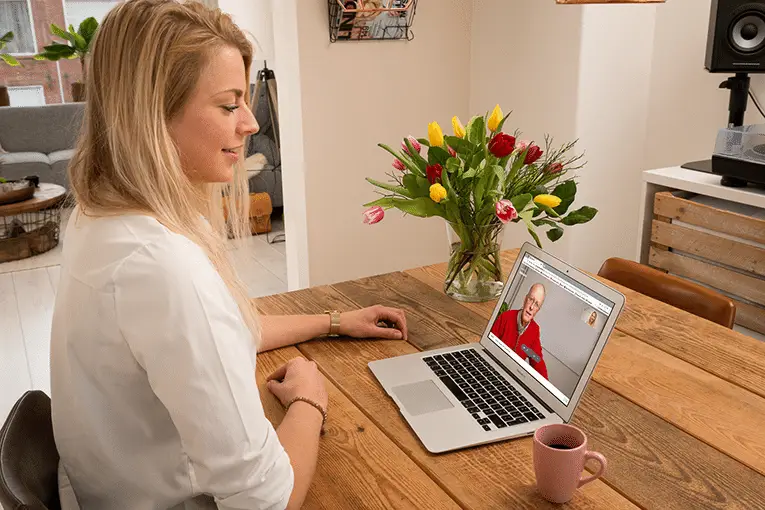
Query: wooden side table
(31, 227)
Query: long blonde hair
(144, 65)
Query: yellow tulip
(435, 134)
(495, 119)
(459, 129)
(437, 193)
(550, 201)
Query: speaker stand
(739, 95)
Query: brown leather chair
(671, 289)
(28, 456)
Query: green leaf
(10, 60)
(550, 212)
(80, 43)
(460, 145)
(476, 131)
(72, 30)
(566, 191)
(469, 174)
(539, 223)
(46, 55)
(438, 155)
(405, 160)
(88, 29)
(581, 215)
(385, 203)
(395, 189)
(64, 49)
(424, 141)
(6, 38)
(554, 234)
(410, 183)
(60, 32)
(422, 207)
(453, 164)
(423, 187)
(526, 216)
(521, 201)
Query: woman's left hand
(365, 323)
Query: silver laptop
(530, 368)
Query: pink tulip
(452, 152)
(374, 215)
(398, 165)
(414, 143)
(505, 211)
(522, 145)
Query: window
(15, 17)
(32, 95)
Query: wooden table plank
(732, 438)
(722, 414)
(644, 451)
(506, 469)
(358, 466)
(727, 354)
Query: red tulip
(502, 145)
(532, 155)
(414, 143)
(505, 211)
(374, 215)
(398, 165)
(452, 152)
(434, 173)
(555, 168)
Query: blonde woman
(154, 399)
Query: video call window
(549, 324)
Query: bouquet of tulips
(478, 180)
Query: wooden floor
(28, 290)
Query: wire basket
(29, 233)
(371, 20)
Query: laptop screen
(549, 324)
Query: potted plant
(479, 180)
(5, 99)
(76, 45)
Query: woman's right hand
(298, 378)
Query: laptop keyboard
(489, 398)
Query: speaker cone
(747, 33)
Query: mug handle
(603, 463)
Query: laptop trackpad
(421, 398)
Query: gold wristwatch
(334, 323)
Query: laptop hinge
(512, 376)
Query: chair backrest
(671, 289)
(28, 456)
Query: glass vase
(474, 272)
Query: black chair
(28, 456)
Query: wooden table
(677, 405)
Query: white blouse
(154, 398)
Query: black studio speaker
(736, 42)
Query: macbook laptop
(534, 360)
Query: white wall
(354, 95)
(525, 56)
(255, 17)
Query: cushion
(12, 158)
(44, 129)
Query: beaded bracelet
(312, 403)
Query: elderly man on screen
(518, 330)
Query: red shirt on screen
(506, 329)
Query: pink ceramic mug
(560, 452)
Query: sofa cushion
(58, 156)
(44, 129)
(12, 158)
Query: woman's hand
(298, 378)
(374, 322)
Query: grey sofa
(270, 179)
(39, 140)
